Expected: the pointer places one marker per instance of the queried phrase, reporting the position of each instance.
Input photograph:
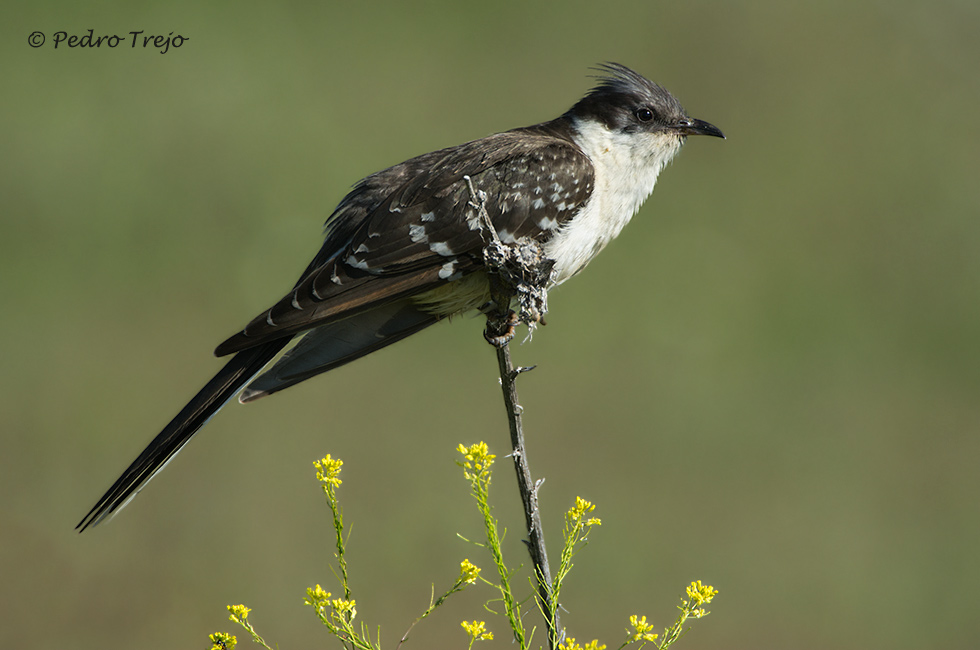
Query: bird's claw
(500, 330)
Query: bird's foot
(501, 329)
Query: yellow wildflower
(316, 597)
(580, 508)
(642, 631)
(328, 469)
(477, 631)
(570, 644)
(476, 457)
(223, 641)
(238, 613)
(342, 607)
(700, 594)
(468, 572)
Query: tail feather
(329, 346)
(222, 387)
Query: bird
(402, 250)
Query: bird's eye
(644, 114)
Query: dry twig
(518, 271)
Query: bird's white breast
(626, 169)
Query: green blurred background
(771, 382)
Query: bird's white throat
(626, 169)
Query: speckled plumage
(403, 249)
(393, 235)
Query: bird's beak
(699, 127)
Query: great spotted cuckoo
(402, 250)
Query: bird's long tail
(222, 387)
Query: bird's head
(625, 102)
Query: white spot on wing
(357, 264)
(361, 249)
(442, 248)
(428, 216)
(538, 204)
(506, 236)
(417, 234)
(334, 278)
(547, 223)
(448, 269)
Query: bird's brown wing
(412, 227)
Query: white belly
(626, 169)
